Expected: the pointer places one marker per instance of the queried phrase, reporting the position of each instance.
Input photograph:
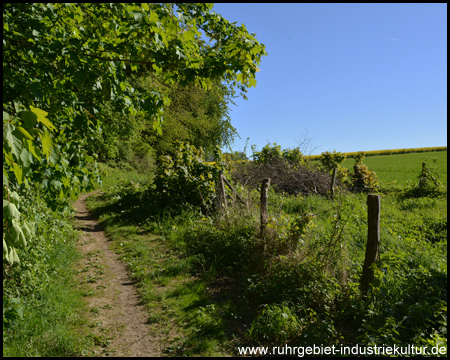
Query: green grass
(403, 168)
(113, 175)
(210, 284)
(178, 302)
(51, 324)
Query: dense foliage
(195, 115)
(183, 177)
(73, 61)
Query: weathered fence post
(264, 212)
(373, 241)
(333, 182)
(221, 189)
(233, 189)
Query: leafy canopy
(70, 58)
(64, 63)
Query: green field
(403, 167)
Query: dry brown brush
(285, 176)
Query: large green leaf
(29, 119)
(11, 210)
(33, 149)
(14, 143)
(25, 133)
(42, 118)
(47, 143)
(18, 172)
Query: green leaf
(13, 141)
(24, 132)
(29, 119)
(47, 143)
(32, 149)
(5, 176)
(11, 210)
(14, 197)
(56, 184)
(18, 172)
(42, 118)
(5, 248)
(17, 235)
(26, 230)
(13, 256)
(26, 158)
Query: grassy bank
(42, 308)
(211, 284)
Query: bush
(410, 307)
(332, 160)
(363, 179)
(276, 324)
(428, 186)
(274, 153)
(225, 251)
(183, 177)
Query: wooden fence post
(373, 241)
(233, 189)
(221, 188)
(333, 182)
(264, 212)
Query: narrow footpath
(119, 324)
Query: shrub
(225, 250)
(183, 177)
(363, 179)
(410, 306)
(276, 324)
(332, 160)
(270, 154)
(428, 186)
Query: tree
(69, 60)
(195, 115)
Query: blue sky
(349, 77)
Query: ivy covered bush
(363, 179)
(183, 177)
(428, 185)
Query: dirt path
(119, 323)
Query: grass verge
(47, 321)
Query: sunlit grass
(403, 168)
(53, 323)
(198, 277)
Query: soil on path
(119, 324)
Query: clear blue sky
(354, 77)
